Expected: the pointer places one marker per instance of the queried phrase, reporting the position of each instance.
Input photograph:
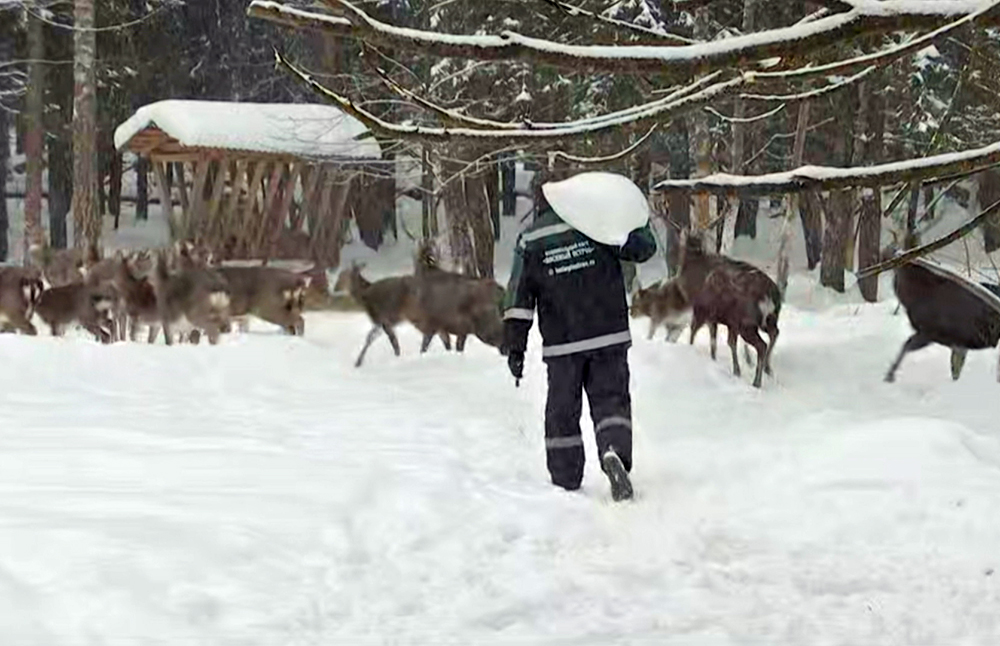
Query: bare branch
(621, 24)
(608, 158)
(667, 61)
(759, 117)
(824, 178)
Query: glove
(515, 361)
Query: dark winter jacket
(575, 283)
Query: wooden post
(307, 214)
(243, 233)
(181, 187)
(218, 185)
(166, 201)
(193, 216)
(334, 240)
(310, 176)
(230, 215)
(280, 213)
(270, 195)
(317, 218)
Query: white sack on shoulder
(603, 206)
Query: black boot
(621, 486)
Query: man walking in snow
(577, 286)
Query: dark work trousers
(604, 374)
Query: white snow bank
(603, 206)
(302, 129)
(265, 492)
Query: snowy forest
(295, 180)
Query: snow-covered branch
(684, 61)
(759, 117)
(945, 240)
(824, 178)
(575, 11)
(606, 158)
(811, 94)
(889, 54)
(657, 111)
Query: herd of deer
(715, 289)
(178, 290)
(183, 292)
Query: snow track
(264, 491)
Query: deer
(451, 303)
(944, 311)
(138, 297)
(720, 290)
(59, 267)
(194, 298)
(272, 294)
(20, 290)
(665, 306)
(90, 306)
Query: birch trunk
(86, 218)
(798, 150)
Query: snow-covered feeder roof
(293, 129)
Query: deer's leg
(446, 340)
(652, 330)
(460, 342)
(957, 362)
(751, 336)
(389, 332)
(915, 342)
(372, 335)
(772, 335)
(732, 338)
(713, 331)
(168, 334)
(154, 329)
(696, 323)
(426, 343)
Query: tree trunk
(457, 216)
(812, 227)
(858, 157)
(142, 188)
(837, 230)
(115, 187)
(481, 220)
(679, 204)
(745, 223)
(702, 139)
(868, 242)
(508, 184)
(870, 227)
(4, 158)
(34, 137)
(798, 151)
(86, 218)
(428, 199)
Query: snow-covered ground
(264, 491)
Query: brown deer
(665, 306)
(944, 311)
(59, 267)
(138, 298)
(272, 294)
(90, 306)
(194, 298)
(20, 290)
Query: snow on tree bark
(86, 218)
